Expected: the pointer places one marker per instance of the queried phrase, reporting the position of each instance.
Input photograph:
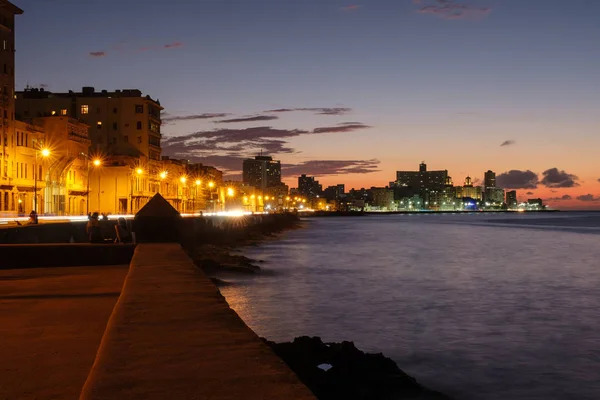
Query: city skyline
(361, 90)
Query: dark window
(115, 110)
(114, 126)
(139, 109)
(139, 125)
(5, 69)
(98, 110)
(126, 139)
(139, 139)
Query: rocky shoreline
(331, 371)
(340, 371)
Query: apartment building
(122, 122)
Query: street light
(97, 162)
(139, 172)
(45, 153)
(197, 183)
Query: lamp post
(163, 176)
(45, 153)
(138, 173)
(183, 179)
(230, 193)
(198, 183)
(211, 185)
(97, 162)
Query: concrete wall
(63, 255)
(173, 336)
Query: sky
(348, 92)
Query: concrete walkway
(51, 324)
(173, 336)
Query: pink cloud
(351, 7)
(173, 45)
(448, 9)
(97, 53)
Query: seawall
(172, 335)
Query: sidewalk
(52, 322)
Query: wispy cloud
(122, 48)
(351, 7)
(562, 198)
(331, 167)
(173, 45)
(554, 178)
(449, 9)
(170, 118)
(241, 142)
(588, 198)
(248, 119)
(316, 110)
(507, 143)
(341, 128)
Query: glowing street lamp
(45, 153)
(198, 182)
(163, 175)
(230, 192)
(139, 171)
(211, 184)
(183, 179)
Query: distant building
(511, 199)
(309, 187)
(382, 198)
(489, 179)
(492, 195)
(122, 123)
(262, 172)
(468, 190)
(421, 182)
(333, 193)
(535, 203)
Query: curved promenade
(172, 335)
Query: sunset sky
(349, 92)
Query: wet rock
(350, 374)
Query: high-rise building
(511, 199)
(309, 187)
(122, 123)
(421, 182)
(492, 195)
(489, 179)
(262, 172)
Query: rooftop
(86, 91)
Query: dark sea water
(490, 306)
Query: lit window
(63, 111)
(99, 124)
(53, 112)
(85, 109)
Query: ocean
(479, 306)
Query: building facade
(262, 172)
(122, 123)
(468, 190)
(420, 182)
(309, 187)
(67, 166)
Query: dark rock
(219, 282)
(354, 375)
